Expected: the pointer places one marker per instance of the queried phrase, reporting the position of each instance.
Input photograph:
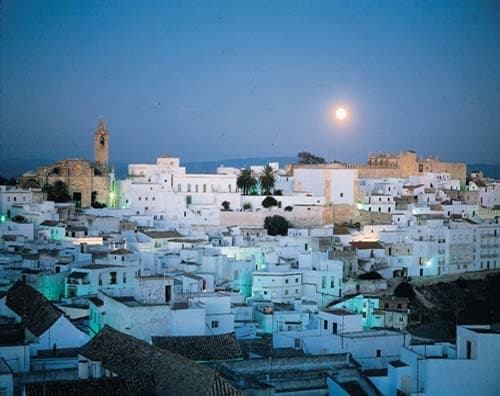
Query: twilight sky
(208, 80)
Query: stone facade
(86, 181)
(402, 165)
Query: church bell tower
(101, 145)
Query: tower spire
(101, 145)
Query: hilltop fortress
(402, 165)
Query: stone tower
(101, 145)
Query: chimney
(83, 369)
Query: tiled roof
(37, 313)
(479, 182)
(122, 252)
(340, 230)
(50, 223)
(173, 374)
(119, 386)
(339, 312)
(367, 245)
(162, 234)
(202, 348)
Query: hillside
(440, 306)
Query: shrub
(404, 289)
(288, 208)
(276, 225)
(269, 202)
(225, 205)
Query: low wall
(307, 216)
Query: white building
(165, 190)
(470, 367)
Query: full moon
(341, 113)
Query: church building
(87, 182)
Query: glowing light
(341, 113)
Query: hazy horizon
(226, 79)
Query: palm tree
(246, 181)
(267, 179)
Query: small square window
(215, 324)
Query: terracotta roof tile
(173, 374)
(202, 348)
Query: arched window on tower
(102, 140)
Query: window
(286, 292)
(179, 187)
(341, 195)
(379, 353)
(189, 188)
(469, 350)
(204, 188)
(323, 282)
(229, 187)
(124, 277)
(112, 278)
(196, 188)
(332, 282)
(215, 324)
(286, 280)
(168, 293)
(296, 280)
(325, 324)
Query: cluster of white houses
(166, 260)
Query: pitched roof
(110, 386)
(38, 313)
(202, 348)
(162, 234)
(50, 223)
(367, 245)
(172, 373)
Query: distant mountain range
(16, 167)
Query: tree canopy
(267, 179)
(246, 181)
(269, 201)
(57, 192)
(308, 158)
(276, 225)
(404, 289)
(4, 181)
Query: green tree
(246, 181)
(276, 225)
(57, 192)
(225, 205)
(269, 201)
(267, 179)
(308, 158)
(4, 181)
